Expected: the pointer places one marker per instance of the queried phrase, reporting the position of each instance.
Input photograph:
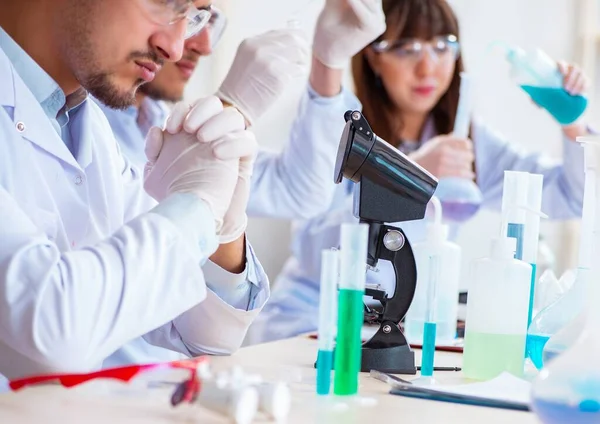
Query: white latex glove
(344, 28)
(183, 158)
(264, 66)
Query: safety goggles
(137, 376)
(170, 12)
(216, 25)
(442, 49)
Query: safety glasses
(170, 12)
(216, 25)
(147, 375)
(442, 49)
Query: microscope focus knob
(393, 240)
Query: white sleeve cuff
(195, 221)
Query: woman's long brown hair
(423, 19)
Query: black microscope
(389, 188)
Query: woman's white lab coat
(293, 307)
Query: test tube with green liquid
(353, 262)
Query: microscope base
(393, 360)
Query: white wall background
(548, 24)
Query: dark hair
(407, 19)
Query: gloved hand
(263, 68)
(344, 28)
(575, 80)
(446, 156)
(185, 157)
(236, 220)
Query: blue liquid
(531, 294)
(516, 231)
(561, 105)
(429, 330)
(535, 348)
(586, 412)
(324, 367)
(459, 211)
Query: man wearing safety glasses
(296, 182)
(84, 269)
(130, 125)
(286, 185)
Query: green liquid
(488, 355)
(349, 344)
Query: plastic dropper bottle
(438, 262)
(353, 268)
(495, 339)
(570, 306)
(538, 75)
(461, 198)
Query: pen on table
(444, 368)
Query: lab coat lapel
(80, 124)
(28, 116)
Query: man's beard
(101, 87)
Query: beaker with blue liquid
(554, 317)
(573, 311)
(568, 388)
(538, 75)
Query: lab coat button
(79, 180)
(20, 126)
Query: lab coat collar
(7, 94)
(28, 116)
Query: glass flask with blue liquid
(538, 75)
(460, 197)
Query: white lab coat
(293, 308)
(79, 270)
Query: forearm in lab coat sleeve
(563, 179)
(298, 182)
(322, 232)
(70, 310)
(218, 325)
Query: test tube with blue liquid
(348, 349)
(531, 236)
(327, 316)
(430, 325)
